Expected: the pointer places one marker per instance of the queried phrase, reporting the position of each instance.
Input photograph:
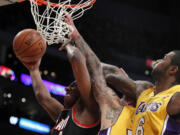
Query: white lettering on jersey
(61, 125)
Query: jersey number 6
(140, 130)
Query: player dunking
(79, 115)
(158, 108)
(109, 102)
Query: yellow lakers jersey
(123, 125)
(151, 117)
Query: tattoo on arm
(93, 63)
(100, 90)
(107, 99)
(112, 115)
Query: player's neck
(163, 85)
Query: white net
(49, 20)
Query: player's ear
(173, 69)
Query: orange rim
(41, 2)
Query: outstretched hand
(73, 30)
(32, 65)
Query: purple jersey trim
(172, 127)
(105, 131)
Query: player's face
(161, 66)
(72, 94)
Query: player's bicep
(173, 107)
(111, 98)
(103, 94)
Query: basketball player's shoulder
(172, 90)
(175, 88)
(173, 107)
(175, 91)
(147, 92)
(176, 98)
(174, 102)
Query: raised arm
(127, 86)
(50, 104)
(81, 74)
(107, 99)
(92, 61)
(89, 54)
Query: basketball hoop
(50, 22)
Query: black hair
(176, 61)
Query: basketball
(29, 45)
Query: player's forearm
(40, 90)
(98, 83)
(78, 63)
(81, 74)
(50, 104)
(122, 84)
(92, 61)
(81, 44)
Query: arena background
(126, 33)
